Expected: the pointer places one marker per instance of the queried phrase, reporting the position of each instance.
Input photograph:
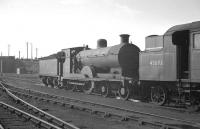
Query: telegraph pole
(31, 51)
(19, 54)
(27, 49)
(36, 52)
(8, 49)
(1, 65)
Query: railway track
(108, 111)
(95, 122)
(14, 118)
(22, 79)
(167, 107)
(41, 121)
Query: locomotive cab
(181, 40)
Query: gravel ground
(83, 120)
(139, 106)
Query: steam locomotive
(168, 70)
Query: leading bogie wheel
(158, 95)
(68, 86)
(72, 88)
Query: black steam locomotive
(167, 71)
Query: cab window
(197, 41)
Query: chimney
(124, 38)
(101, 43)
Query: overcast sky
(51, 25)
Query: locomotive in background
(167, 71)
(103, 70)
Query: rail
(29, 116)
(45, 114)
(118, 108)
(192, 123)
(106, 114)
(1, 127)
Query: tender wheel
(88, 87)
(49, 82)
(124, 92)
(44, 81)
(158, 95)
(195, 106)
(55, 83)
(105, 90)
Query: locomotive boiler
(120, 59)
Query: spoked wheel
(55, 83)
(49, 82)
(105, 90)
(72, 87)
(88, 87)
(194, 106)
(44, 80)
(124, 92)
(68, 86)
(158, 95)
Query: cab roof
(53, 56)
(193, 26)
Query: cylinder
(101, 43)
(124, 38)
